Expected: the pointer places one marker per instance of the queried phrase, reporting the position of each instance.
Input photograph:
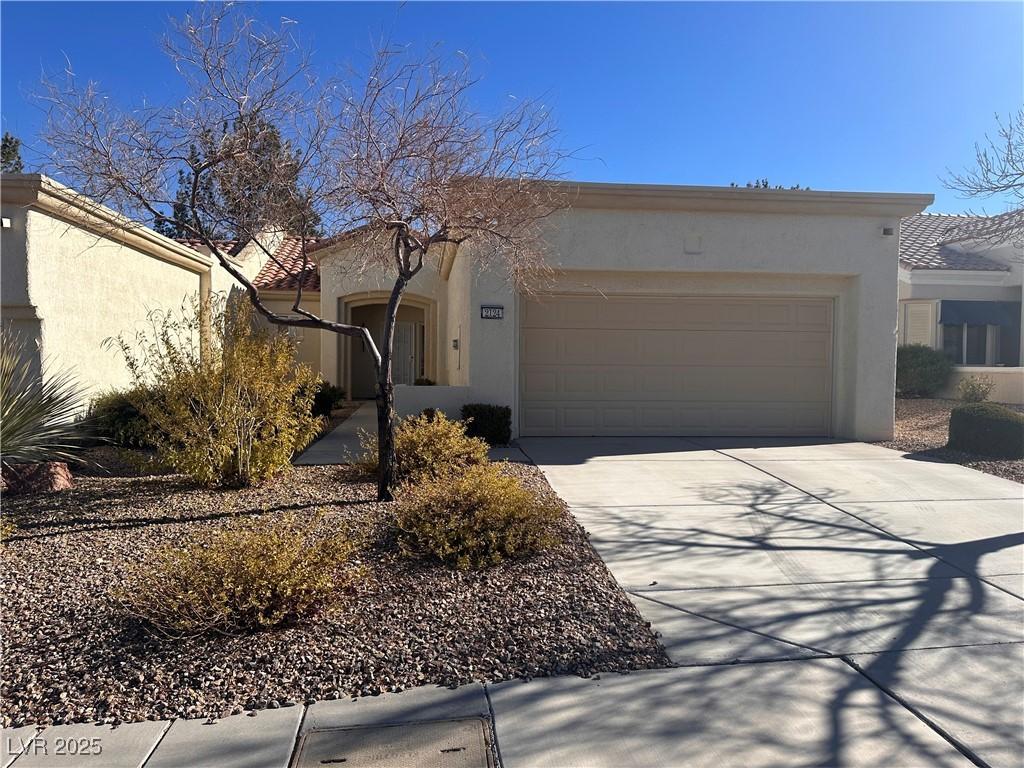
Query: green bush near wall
(921, 371)
(493, 423)
(987, 429)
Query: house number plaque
(492, 311)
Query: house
(674, 310)
(960, 291)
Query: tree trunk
(386, 400)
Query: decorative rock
(48, 477)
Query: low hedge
(493, 423)
(921, 371)
(987, 429)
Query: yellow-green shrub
(234, 413)
(250, 576)
(473, 518)
(426, 446)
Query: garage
(675, 365)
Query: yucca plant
(37, 414)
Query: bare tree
(998, 164)
(394, 162)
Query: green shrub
(423, 381)
(975, 389)
(7, 528)
(493, 423)
(234, 414)
(115, 417)
(37, 413)
(326, 398)
(425, 446)
(474, 518)
(987, 429)
(921, 371)
(249, 576)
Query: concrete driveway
(827, 603)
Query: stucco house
(960, 291)
(674, 310)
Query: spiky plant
(37, 415)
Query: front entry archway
(413, 357)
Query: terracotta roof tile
(924, 243)
(284, 272)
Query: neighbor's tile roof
(925, 239)
(285, 272)
(986, 227)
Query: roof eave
(743, 199)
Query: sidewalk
(746, 714)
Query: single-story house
(674, 310)
(960, 291)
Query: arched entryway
(415, 331)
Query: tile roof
(925, 243)
(1005, 226)
(284, 272)
(280, 273)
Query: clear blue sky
(874, 96)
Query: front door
(403, 365)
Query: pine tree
(11, 155)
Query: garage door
(675, 365)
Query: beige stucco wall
(308, 340)
(73, 289)
(1009, 383)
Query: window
(953, 342)
(976, 340)
(975, 345)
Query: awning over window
(1005, 313)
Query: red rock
(48, 477)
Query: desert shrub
(7, 528)
(37, 412)
(423, 381)
(326, 398)
(921, 371)
(115, 417)
(233, 414)
(474, 518)
(252, 575)
(975, 389)
(987, 429)
(493, 423)
(425, 446)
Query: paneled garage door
(675, 366)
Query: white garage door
(675, 366)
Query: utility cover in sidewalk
(438, 744)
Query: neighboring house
(960, 291)
(74, 274)
(673, 311)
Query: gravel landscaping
(71, 656)
(922, 428)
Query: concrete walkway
(833, 603)
(341, 444)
